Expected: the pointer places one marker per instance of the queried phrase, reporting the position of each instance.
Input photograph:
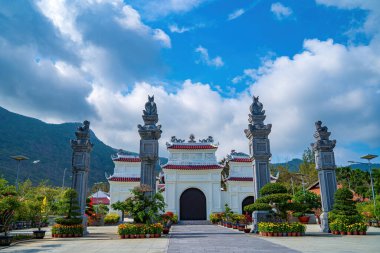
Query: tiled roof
(246, 179)
(241, 160)
(127, 159)
(124, 179)
(105, 201)
(191, 167)
(193, 146)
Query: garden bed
(281, 229)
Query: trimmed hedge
(68, 221)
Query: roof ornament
(256, 107)
(150, 106)
(191, 138)
(175, 140)
(210, 139)
(83, 131)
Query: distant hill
(364, 167)
(293, 165)
(50, 144)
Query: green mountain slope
(49, 143)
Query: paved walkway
(100, 240)
(211, 238)
(201, 238)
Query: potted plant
(38, 208)
(305, 202)
(9, 203)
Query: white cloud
(160, 35)
(154, 9)
(175, 29)
(205, 58)
(280, 11)
(236, 14)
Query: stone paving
(211, 238)
(201, 238)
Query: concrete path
(201, 238)
(100, 240)
(211, 238)
(314, 242)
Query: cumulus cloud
(205, 58)
(237, 13)
(59, 51)
(188, 110)
(280, 11)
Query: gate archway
(192, 205)
(247, 201)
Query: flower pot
(343, 233)
(156, 235)
(241, 228)
(279, 234)
(39, 234)
(165, 231)
(270, 233)
(5, 240)
(234, 226)
(304, 219)
(229, 226)
(142, 236)
(349, 233)
(122, 236)
(355, 233)
(298, 233)
(294, 233)
(247, 230)
(284, 234)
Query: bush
(272, 189)
(281, 227)
(136, 229)
(308, 200)
(215, 217)
(275, 198)
(344, 210)
(111, 218)
(142, 208)
(67, 229)
(68, 221)
(257, 207)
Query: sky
(67, 61)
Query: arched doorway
(247, 201)
(192, 205)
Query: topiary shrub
(344, 209)
(273, 197)
(269, 189)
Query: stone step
(194, 222)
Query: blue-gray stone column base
(149, 158)
(328, 186)
(261, 175)
(258, 216)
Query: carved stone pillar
(325, 164)
(259, 146)
(259, 149)
(81, 166)
(150, 134)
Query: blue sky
(308, 60)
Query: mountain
(292, 165)
(363, 166)
(50, 144)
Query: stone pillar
(259, 150)
(325, 164)
(81, 166)
(259, 146)
(150, 134)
